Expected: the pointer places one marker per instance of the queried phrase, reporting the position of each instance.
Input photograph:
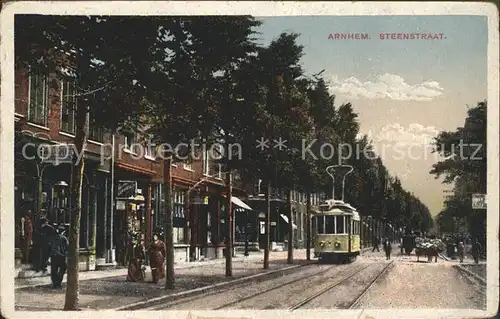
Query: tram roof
(337, 207)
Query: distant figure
(476, 250)
(401, 245)
(26, 235)
(461, 251)
(157, 254)
(58, 252)
(387, 248)
(376, 243)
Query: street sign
(478, 201)
(57, 154)
(126, 189)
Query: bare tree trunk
(308, 225)
(169, 229)
(268, 226)
(290, 226)
(229, 243)
(71, 301)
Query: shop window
(178, 215)
(38, 98)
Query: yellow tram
(336, 231)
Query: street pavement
(108, 289)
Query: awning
(240, 203)
(285, 218)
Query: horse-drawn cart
(428, 247)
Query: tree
(107, 63)
(464, 165)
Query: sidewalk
(122, 271)
(109, 289)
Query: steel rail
(365, 290)
(326, 289)
(273, 288)
(225, 289)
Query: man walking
(476, 250)
(58, 253)
(387, 248)
(461, 251)
(376, 243)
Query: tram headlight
(337, 244)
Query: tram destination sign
(478, 201)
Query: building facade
(123, 189)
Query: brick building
(122, 188)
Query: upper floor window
(130, 141)
(210, 165)
(68, 107)
(96, 132)
(38, 98)
(150, 150)
(188, 164)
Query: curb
(467, 271)
(200, 290)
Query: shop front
(44, 186)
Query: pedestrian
(387, 248)
(26, 236)
(58, 253)
(40, 243)
(376, 243)
(476, 250)
(157, 252)
(461, 251)
(135, 267)
(401, 245)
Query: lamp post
(246, 232)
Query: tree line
(187, 78)
(464, 166)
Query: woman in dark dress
(157, 258)
(135, 270)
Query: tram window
(330, 225)
(340, 225)
(320, 221)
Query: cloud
(386, 86)
(414, 134)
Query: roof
(338, 207)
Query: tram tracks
(262, 292)
(268, 295)
(372, 283)
(183, 302)
(341, 281)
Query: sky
(404, 91)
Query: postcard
(249, 159)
